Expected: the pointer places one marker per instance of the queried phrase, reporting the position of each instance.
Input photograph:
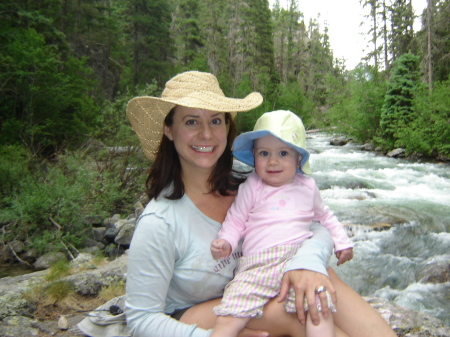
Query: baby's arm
(344, 255)
(220, 248)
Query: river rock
(407, 322)
(368, 147)
(435, 270)
(397, 153)
(338, 141)
(46, 261)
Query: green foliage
(76, 186)
(356, 110)
(398, 108)
(58, 291)
(429, 131)
(57, 271)
(44, 101)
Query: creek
(365, 189)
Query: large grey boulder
(47, 260)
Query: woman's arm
(306, 272)
(151, 261)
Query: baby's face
(275, 162)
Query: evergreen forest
(69, 67)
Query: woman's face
(199, 136)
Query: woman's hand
(305, 283)
(252, 333)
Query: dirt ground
(77, 309)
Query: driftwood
(18, 258)
(68, 251)
(58, 226)
(320, 130)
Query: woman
(172, 281)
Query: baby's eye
(264, 153)
(284, 153)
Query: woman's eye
(216, 121)
(191, 122)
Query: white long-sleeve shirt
(170, 266)
(267, 216)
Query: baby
(273, 212)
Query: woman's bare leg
(325, 328)
(276, 321)
(354, 315)
(229, 326)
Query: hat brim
(147, 114)
(243, 149)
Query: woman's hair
(166, 169)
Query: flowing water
(364, 189)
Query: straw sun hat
(192, 89)
(282, 124)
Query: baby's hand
(344, 255)
(220, 248)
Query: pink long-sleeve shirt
(267, 216)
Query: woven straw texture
(191, 89)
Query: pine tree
(398, 108)
(146, 27)
(402, 32)
(187, 37)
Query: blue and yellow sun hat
(284, 125)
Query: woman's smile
(203, 149)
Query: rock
(339, 141)
(113, 251)
(109, 222)
(90, 282)
(83, 260)
(99, 233)
(381, 226)
(46, 261)
(91, 243)
(94, 250)
(15, 326)
(397, 153)
(111, 234)
(17, 246)
(126, 233)
(120, 223)
(435, 270)
(63, 323)
(407, 322)
(368, 147)
(138, 209)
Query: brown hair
(166, 169)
